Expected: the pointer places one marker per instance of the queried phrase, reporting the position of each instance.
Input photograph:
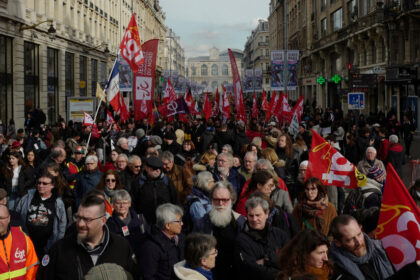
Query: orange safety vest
(13, 263)
(73, 169)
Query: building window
(225, 70)
(31, 76)
(103, 74)
(214, 70)
(214, 84)
(373, 52)
(83, 75)
(193, 70)
(94, 75)
(203, 70)
(69, 68)
(351, 9)
(52, 82)
(323, 4)
(324, 27)
(383, 50)
(336, 20)
(6, 78)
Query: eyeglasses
(121, 203)
(223, 200)
(137, 166)
(43, 183)
(177, 221)
(110, 180)
(214, 253)
(87, 220)
(90, 163)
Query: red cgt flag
(130, 47)
(329, 165)
(399, 222)
(207, 107)
(95, 131)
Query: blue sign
(356, 100)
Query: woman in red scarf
(313, 209)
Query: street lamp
(51, 31)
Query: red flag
(399, 222)
(298, 108)
(329, 165)
(130, 47)
(237, 88)
(207, 107)
(272, 107)
(110, 120)
(124, 115)
(95, 131)
(225, 104)
(169, 93)
(216, 103)
(254, 106)
(144, 81)
(87, 119)
(264, 103)
(190, 103)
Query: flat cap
(153, 162)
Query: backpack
(355, 200)
(186, 218)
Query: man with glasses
(131, 173)
(250, 159)
(224, 224)
(151, 189)
(224, 171)
(164, 247)
(92, 244)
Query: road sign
(356, 100)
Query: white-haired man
(224, 171)
(87, 179)
(371, 166)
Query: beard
(220, 216)
(224, 171)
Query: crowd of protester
(215, 199)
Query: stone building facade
(257, 52)
(370, 45)
(40, 69)
(174, 53)
(214, 70)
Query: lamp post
(51, 31)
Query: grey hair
(121, 195)
(124, 156)
(393, 139)
(228, 147)
(56, 152)
(252, 154)
(254, 202)
(227, 185)
(203, 178)
(120, 140)
(371, 148)
(91, 158)
(132, 158)
(167, 155)
(167, 213)
(264, 162)
(228, 156)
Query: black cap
(170, 135)
(154, 162)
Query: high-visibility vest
(16, 268)
(73, 169)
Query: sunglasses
(110, 180)
(43, 183)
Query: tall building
(174, 53)
(214, 70)
(353, 46)
(257, 52)
(54, 49)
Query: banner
(292, 69)
(237, 88)
(258, 80)
(248, 80)
(144, 81)
(174, 107)
(329, 165)
(399, 222)
(126, 75)
(277, 66)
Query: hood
(184, 273)
(396, 148)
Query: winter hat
(16, 145)
(376, 173)
(170, 135)
(140, 133)
(107, 271)
(155, 140)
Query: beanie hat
(140, 133)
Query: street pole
(285, 47)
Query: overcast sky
(202, 24)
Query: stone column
(18, 82)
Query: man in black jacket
(257, 247)
(73, 256)
(164, 247)
(151, 189)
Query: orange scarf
(320, 273)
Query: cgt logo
(20, 255)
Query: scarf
(322, 273)
(374, 254)
(314, 210)
(109, 192)
(204, 272)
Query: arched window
(204, 84)
(203, 70)
(225, 70)
(214, 84)
(373, 51)
(214, 70)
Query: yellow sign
(82, 84)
